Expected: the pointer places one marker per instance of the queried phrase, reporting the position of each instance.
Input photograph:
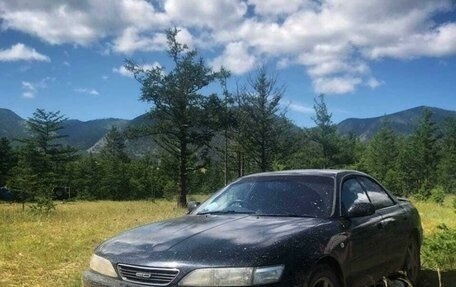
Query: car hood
(212, 240)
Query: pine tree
(43, 158)
(7, 160)
(115, 183)
(227, 121)
(260, 106)
(325, 133)
(182, 117)
(88, 174)
(381, 152)
(447, 164)
(114, 147)
(418, 158)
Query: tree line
(205, 141)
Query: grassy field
(433, 215)
(52, 250)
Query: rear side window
(377, 195)
(352, 192)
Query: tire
(323, 276)
(412, 263)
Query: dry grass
(52, 250)
(433, 215)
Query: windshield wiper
(225, 212)
(285, 215)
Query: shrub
(43, 205)
(424, 192)
(438, 195)
(438, 250)
(170, 190)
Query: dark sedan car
(302, 228)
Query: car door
(394, 224)
(365, 238)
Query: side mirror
(361, 209)
(192, 205)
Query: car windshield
(287, 196)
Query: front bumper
(92, 279)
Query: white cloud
(59, 25)
(30, 89)
(28, 86)
(334, 40)
(435, 43)
(92, 92)
(28, 94)
(336, 85)
(331, 67)
(150, 66)
(373, 83)
(131, 40)
(278, 7)
(300, 108)
(235, 58)
(124, 72)
(206, 13)
(79, 22)
(20, 52)
(284, 63)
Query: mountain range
(89, 135)
(403, 122)
(80, 135)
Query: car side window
(377, 195)
(352, 192)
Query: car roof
(315, 172)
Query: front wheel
(323, 276)
(412, 264)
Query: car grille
(147, 275)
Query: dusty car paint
(360, 250)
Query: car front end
(135, 276)
(246, 235)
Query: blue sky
(369, 57)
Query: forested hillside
(11, 125)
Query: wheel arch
(334, 265)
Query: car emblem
(143, 275)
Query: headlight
(233, 276)
(102, 266)
(267, 275)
